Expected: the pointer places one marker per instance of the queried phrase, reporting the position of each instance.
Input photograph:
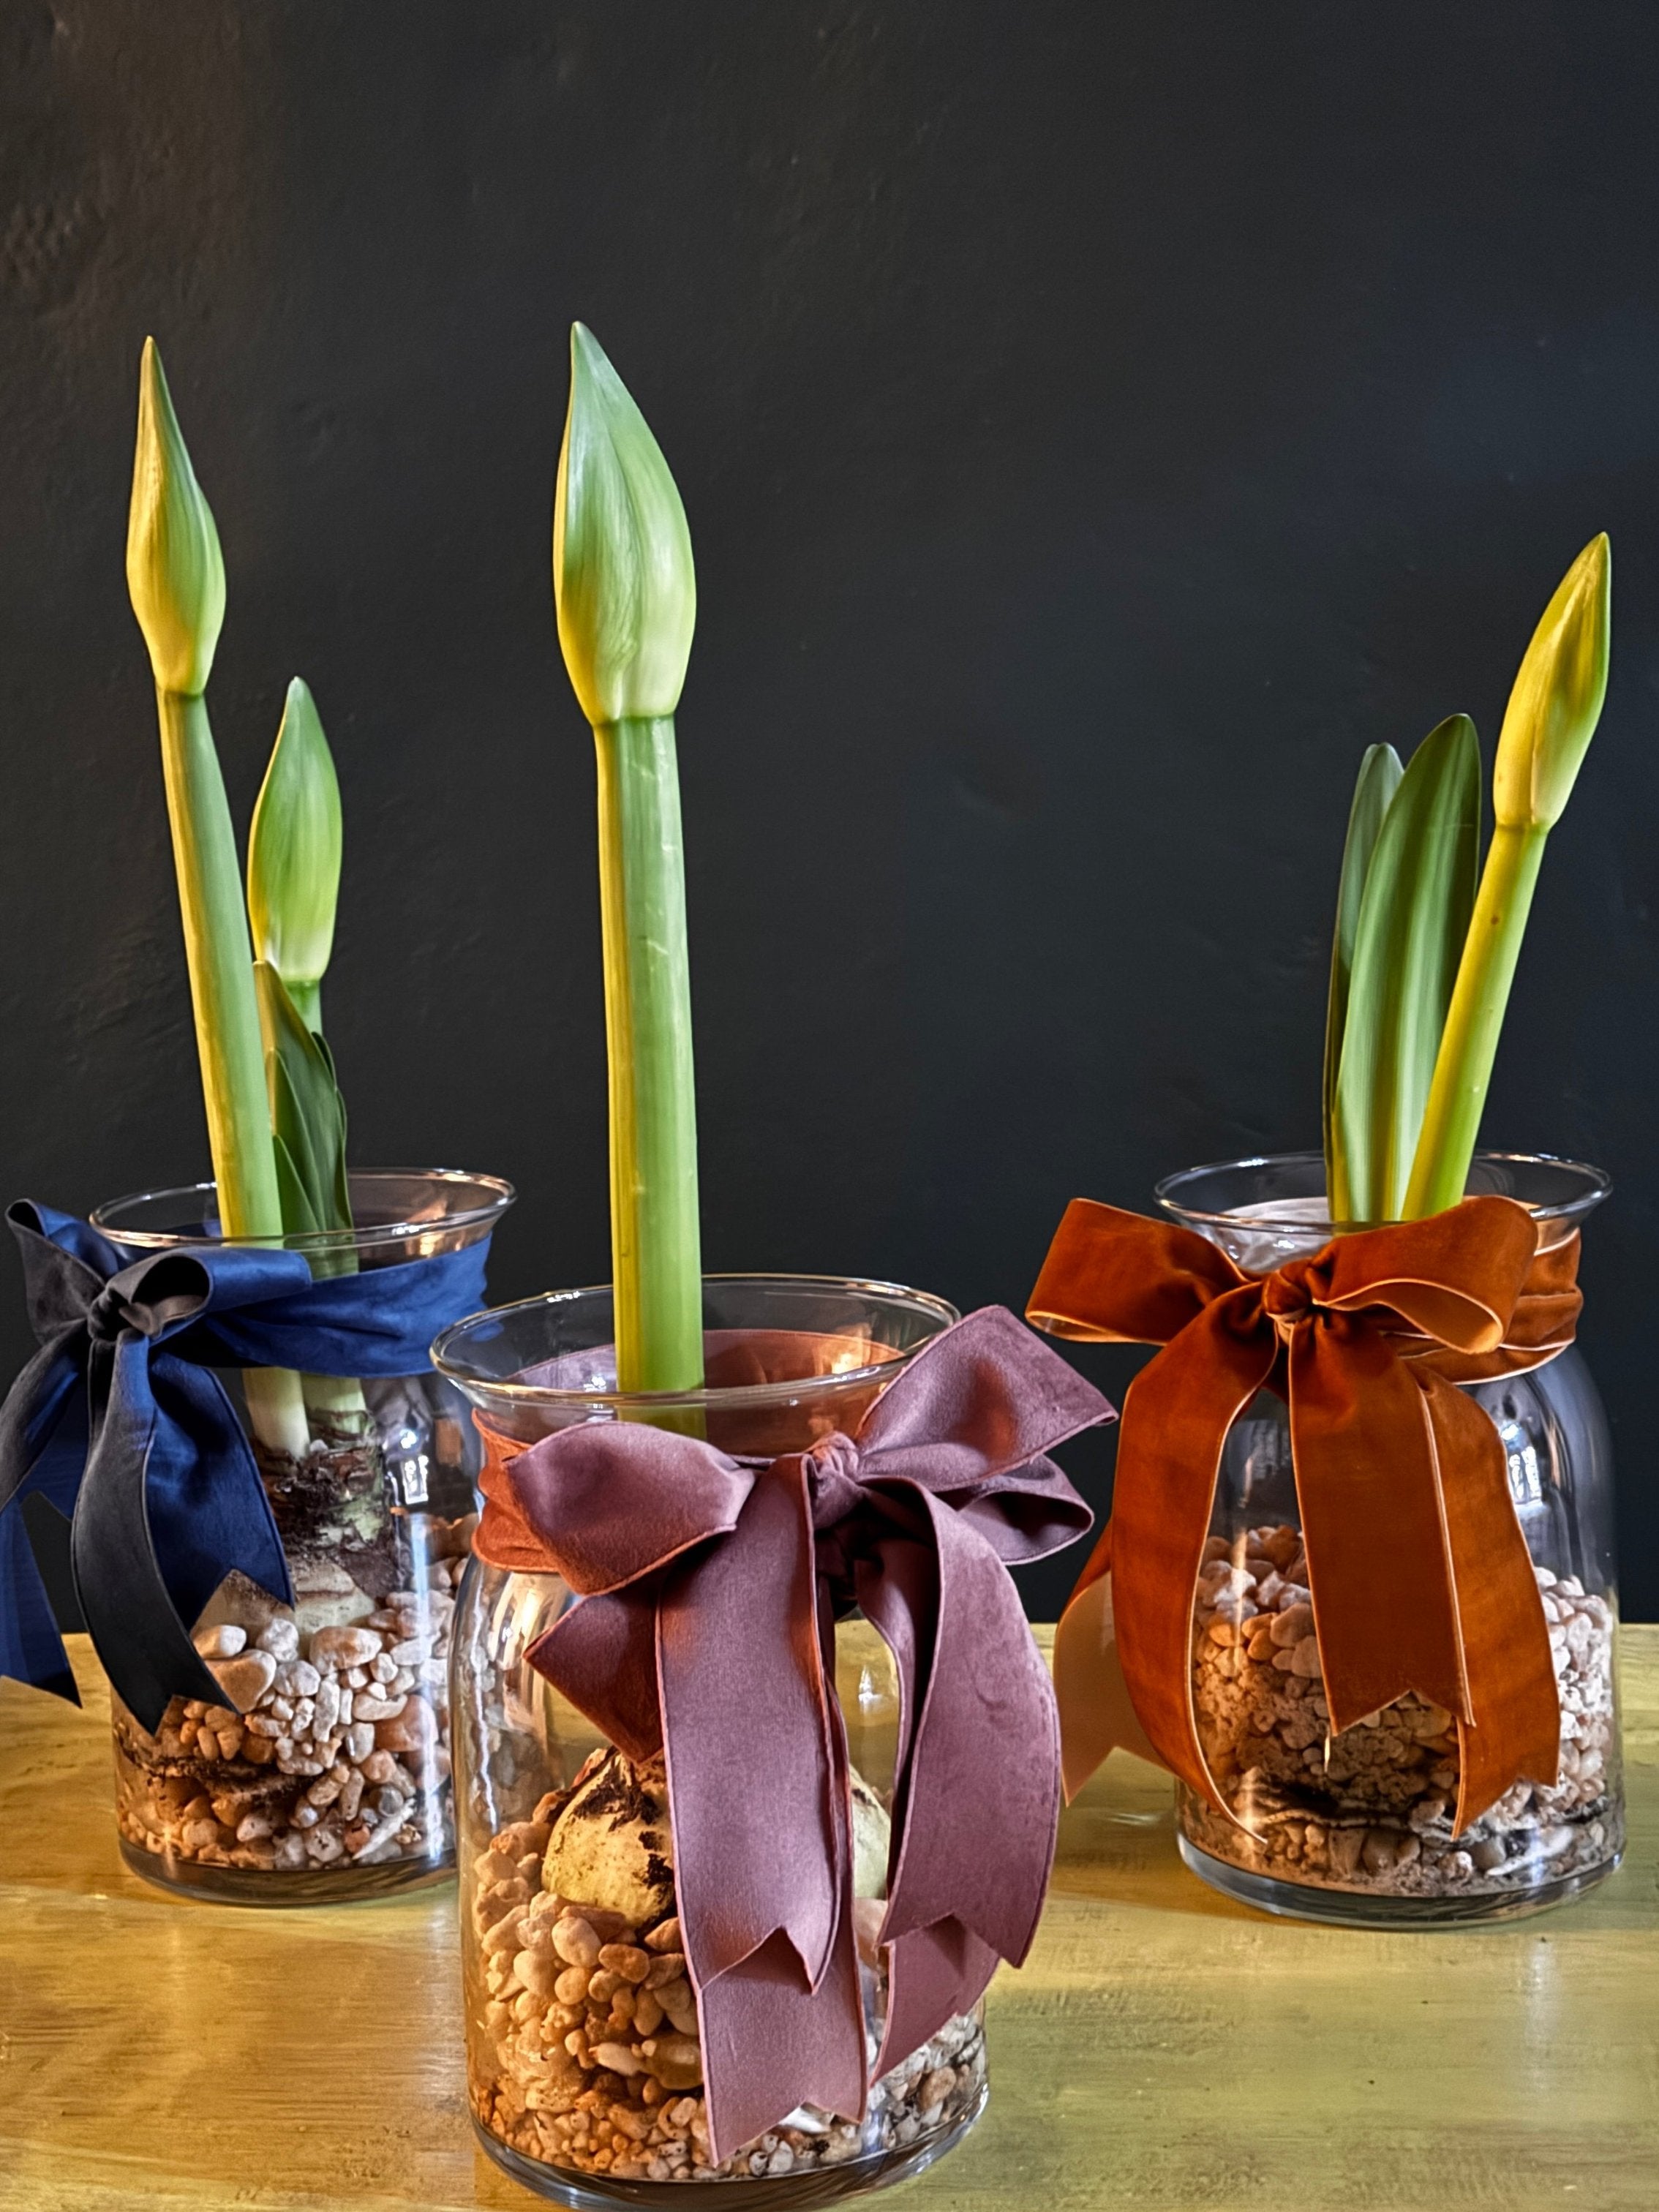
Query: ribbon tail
(35, 1407)
(43, 1442)
(1176, 1417)
(1096, 1713)
(933, 1974)
(144, 1647)
(769, 2044)
(756, 1794)
(208, 1513)
(1373, 1503)
(31, 1649)
(1513, 1729)
(964, 1893)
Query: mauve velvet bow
(709, 1589)
(1419, 1572)
(119, 1422)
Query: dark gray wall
(1097, 423)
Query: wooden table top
(1164, 2048)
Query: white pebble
(223, 1642)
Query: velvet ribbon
(708, 1587)
(119, 1422)
(1419, 1574)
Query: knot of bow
(1417, 1569)
(120, 1423)
(708, 1587)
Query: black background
(1097, 423)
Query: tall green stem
(656, 1262)
(220, 963)
(1468, 1043)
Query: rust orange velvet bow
(1419, 1574)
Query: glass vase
(1357, 1828)
(585, 2068)
(325, 1774)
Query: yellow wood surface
(1164, 2050)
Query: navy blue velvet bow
(120, 1423)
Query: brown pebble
(619, 2058)
(626, 1959)
(574, 1941)
(677, 2061)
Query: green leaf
(341, 1185)
(294, 855)
(1375, 787)
(1413, 917)
(291, 1129)
(298, 1219)
(307, 1119)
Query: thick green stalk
(657, 1263)
(221, 963)
(1468, 1045)
(1554, 707)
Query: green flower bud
(623, 578)
(294, 855)
(175, 573)
(1557, 699)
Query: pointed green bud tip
(175, 572)
(1557, 699)
(294, 852)
(622, 579)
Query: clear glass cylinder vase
(585, 2067)
(1357, 1828)
(324, 1776)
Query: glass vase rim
(724, 1398)
(365, 1236)
(1596, 1184)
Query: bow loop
(712, 1587)
(610, 1501)
(1401, 1484)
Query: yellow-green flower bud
(623, 578)
(175, 573)
(294, 855)
(1557, 699)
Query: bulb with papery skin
(612, 1844)
(873, 1837)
